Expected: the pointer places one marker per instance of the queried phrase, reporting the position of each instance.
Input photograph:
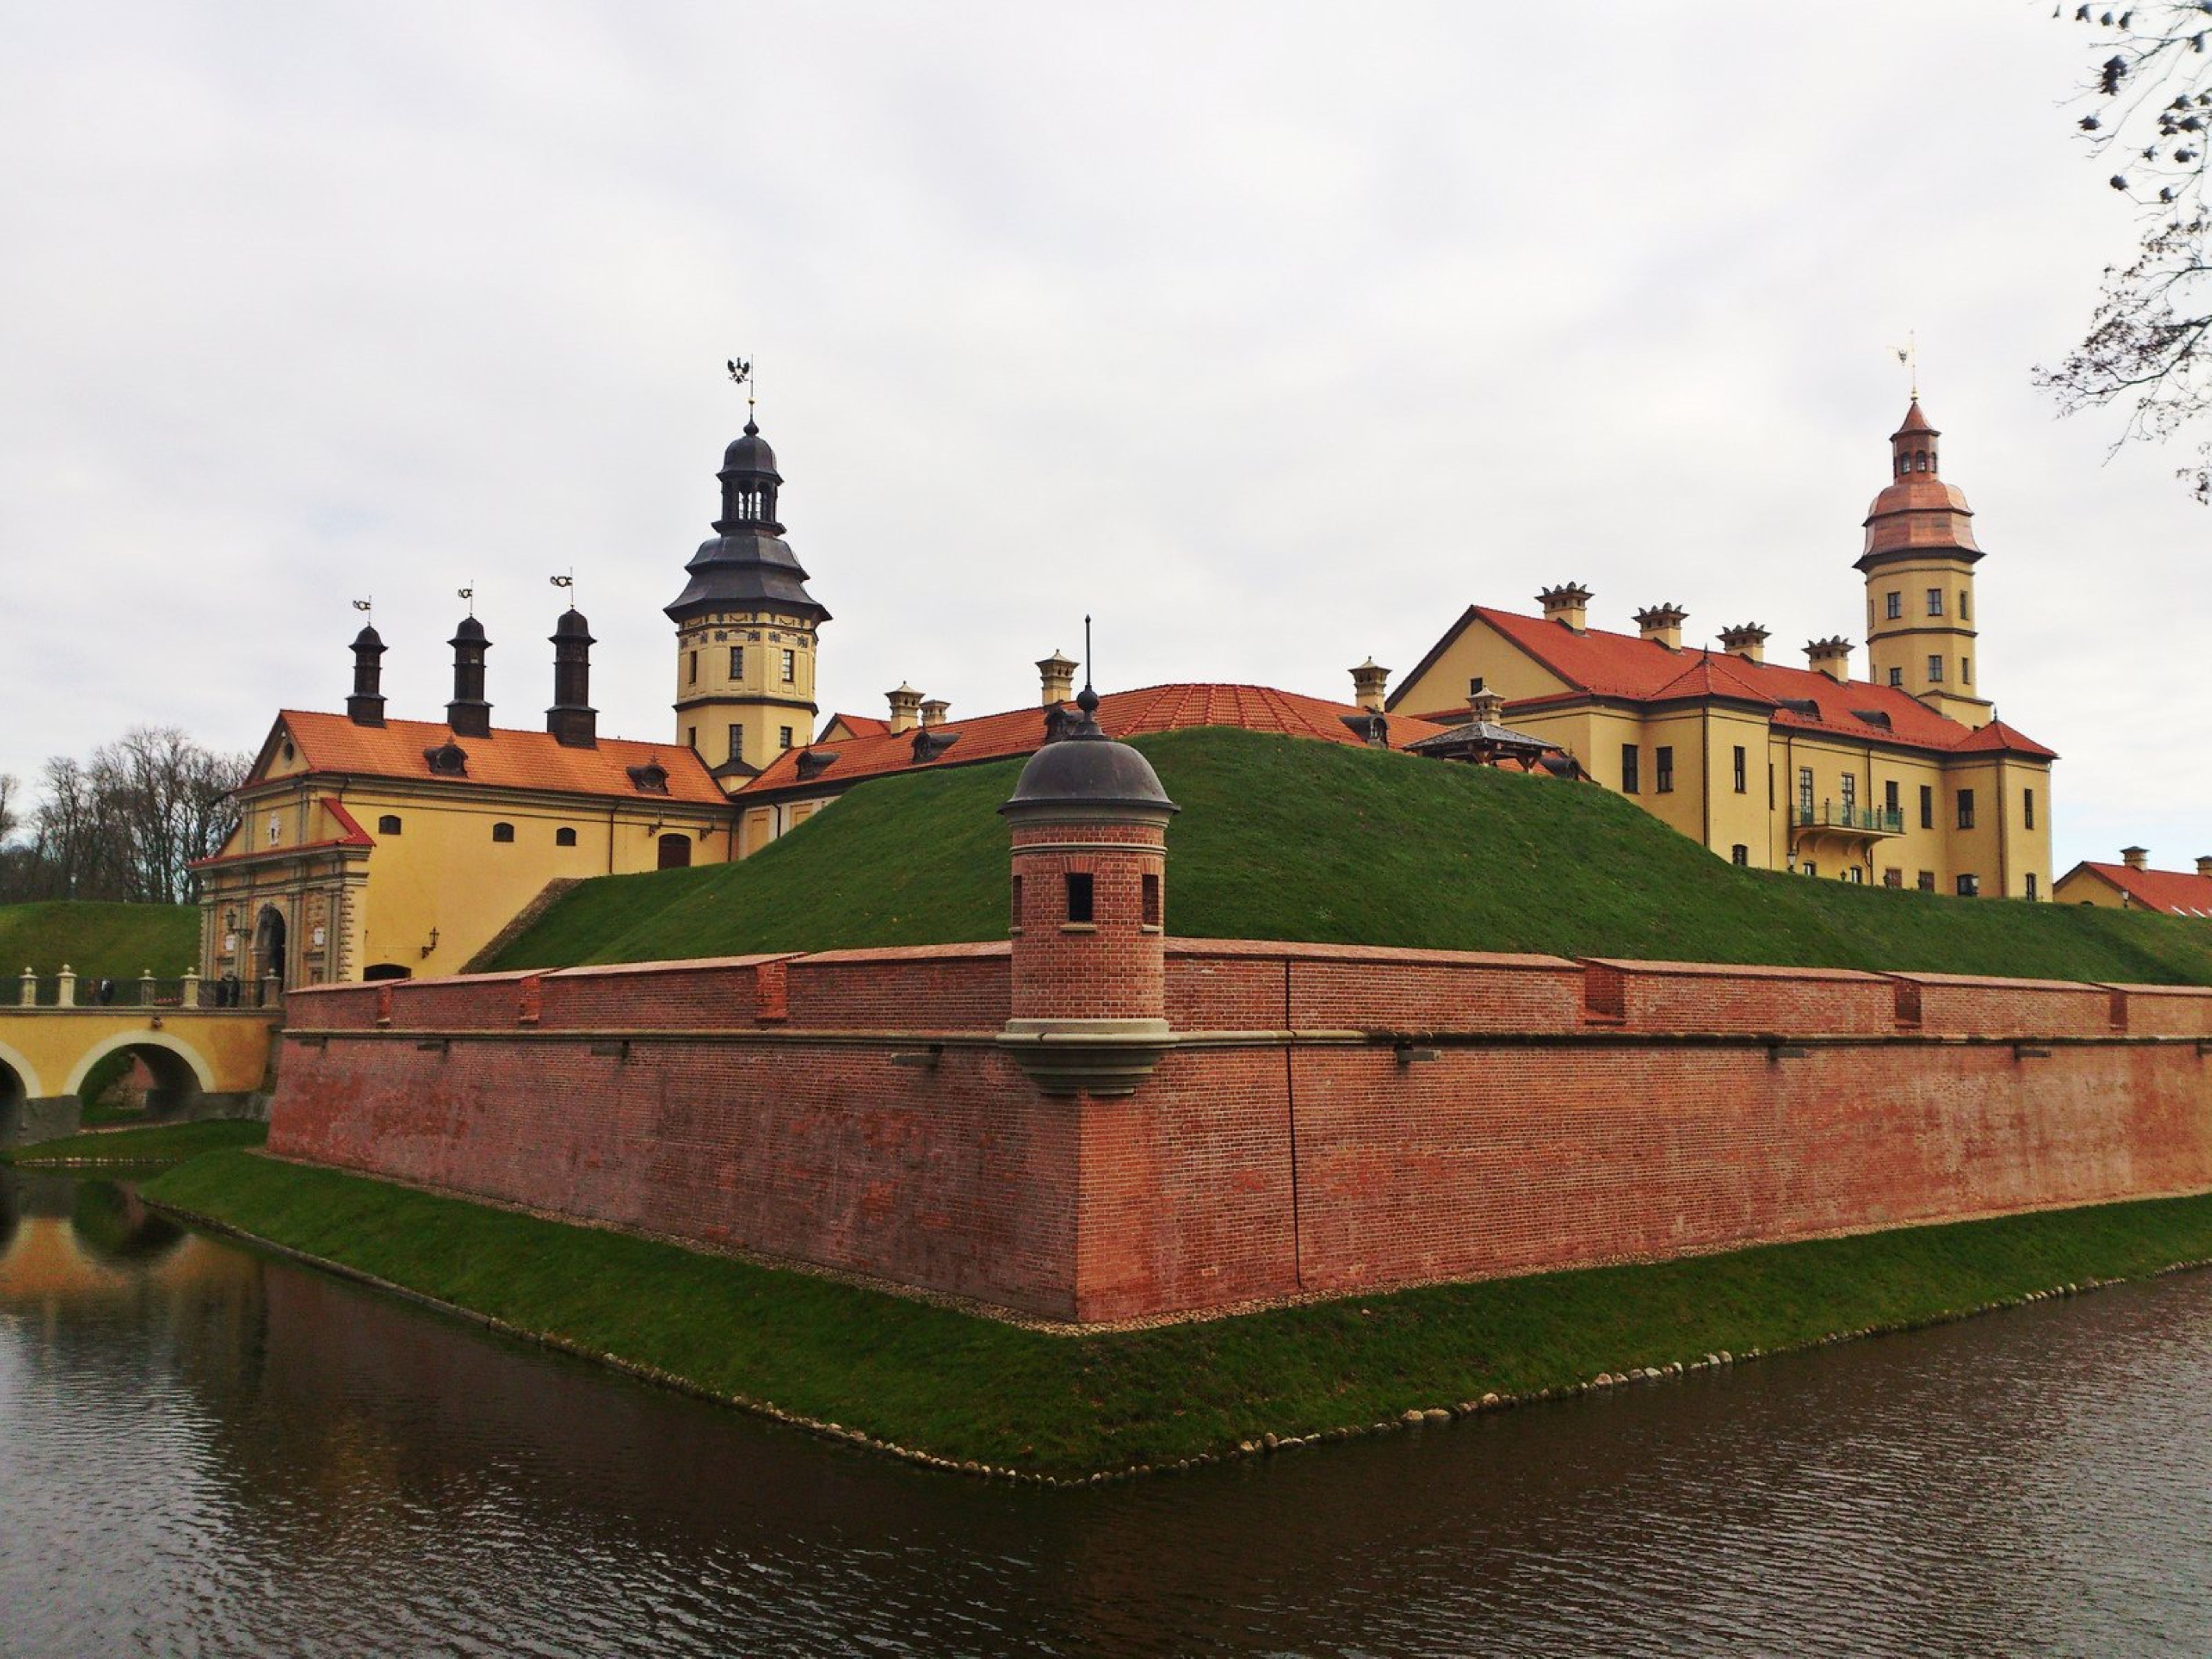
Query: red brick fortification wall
(1332, 1118)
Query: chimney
(905, 707)
(1567, 603)
(1831, 656)
(1662, 624)
(468, 713)
(1057, 673)
(1483, 706)
(1367, 682)
(2138, 858)
(934, 711)
(1746, 640)
(366, 706)
(573, 721)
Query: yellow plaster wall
(760, 701)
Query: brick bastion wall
(1325, 1119)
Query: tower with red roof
(1918, 562)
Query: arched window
(502, 832)
(675, 852)
(564, 836)
(388, 824)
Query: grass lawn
(165, 1142)
(101, 941)
(963, 1387)
(1284, 839)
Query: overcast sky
(1273, 335)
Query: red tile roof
(1622, 665)
(1123, 714)
(2177, 893)
(507, 759)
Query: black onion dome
(571, 626)
(1086, 767)
(750, 454)
(368, 639)
(471, 632)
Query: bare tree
(2150, 115)
(127, 823)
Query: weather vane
(741, 374)
(567, 581)
(469, 594)
(1908, 354)
(364, 605)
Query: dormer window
(930, 742)
(448, 760)
(814, 762)
(650, 779)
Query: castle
(373, 848)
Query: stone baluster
(29, 995)
(191, 999)
(65, 987)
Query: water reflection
(203, 1452)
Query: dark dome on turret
(368, 639)
(1084, 768)
(471, 632)
(750, 454)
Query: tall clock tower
(745, 627)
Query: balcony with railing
(1846, 818)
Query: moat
(206, 1451)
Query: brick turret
(1090, 822)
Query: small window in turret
(1078, 896)
(1151, 901)
(736, 662)
(1966, 605)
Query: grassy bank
(101, 941)
(965, 1388)
(166, 1143)
(1387, 849)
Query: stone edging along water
(1413, 1417)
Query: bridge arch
(179, 1071)
(19, 1078)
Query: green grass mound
(963, 1387)
(160, 1143)
(101, 941)
(1284, 839)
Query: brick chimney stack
(1567, 604)
(573, 721)
(1746, 640)
(1056, 677)
(933, 712)
(1831, 656)
(905, 707)
(468, 714)
(1663, 625)
(1089, 821)
(2204, 864)
(2136, 858)
(1368, 681)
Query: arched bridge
(205, 1062)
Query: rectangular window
(783, 737)
(1892, 877)
(1925, 881)
(1628, 783)
(691, 739)
(1897, 677)
(1663, 770)
(1740, 769)
(1934, 601)
(1966, 605)
(1811, 868)
(1853, 875)
(737, 743)
(790, 666)
(1934, 671)
(1965, 670)
(1739, 855)
(1970, 887)
(2027, 809)
(1078, 896)
(2030, 879)
(691, 668)
(1015, 925)
(1928, 810)
(1850, 793)
(1151, 901)
(1965, 809)
(1889, 800)
(1893, 604)
(736, 662)
(1805, 793)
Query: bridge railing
(68, 989)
